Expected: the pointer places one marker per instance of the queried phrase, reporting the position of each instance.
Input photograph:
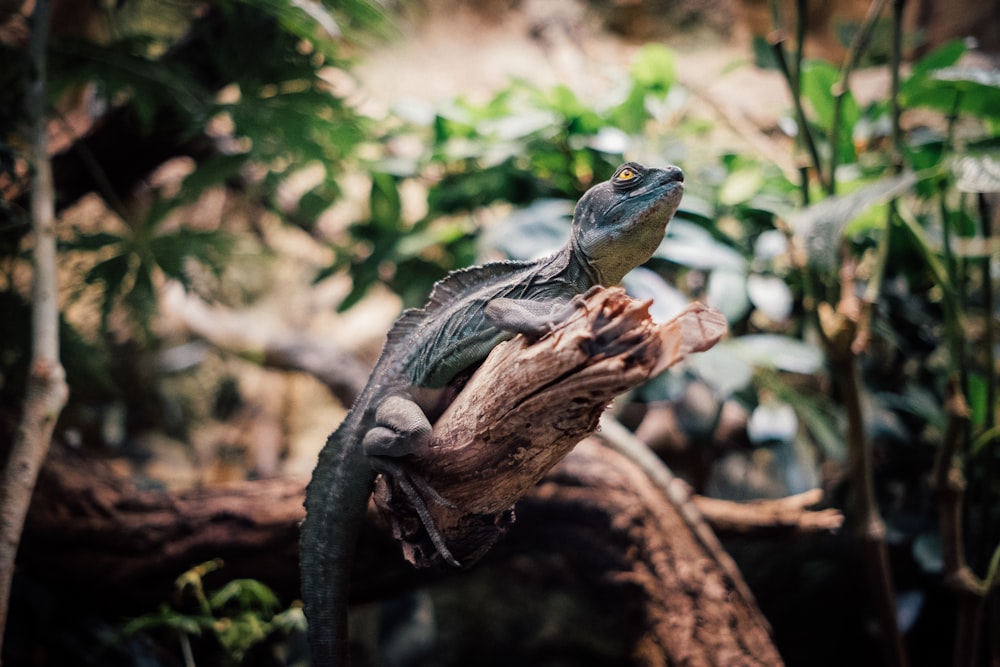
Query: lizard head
(619, 223)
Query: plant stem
(46, 386)
(840, 334)
(895, 63)
(792, 80)
(842, 87)
(990, 335)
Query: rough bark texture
(526, 407)
(93, 534)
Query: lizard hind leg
(401, 426)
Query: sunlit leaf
(653, 68)
(771, 296)
(820, 227)
(740, 186)
(977, 173)
(727, 291)
(722, 368)
(780, 352)
(691, 245)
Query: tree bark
(93, 534)
(46, 387)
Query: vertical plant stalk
(858, 46)
(990, 335)
(895, 64)
(792, 79)
(840, 331)
(948, 483)
(46, 387)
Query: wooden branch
(599, 506)
(526, 407)
(784, 515)
(96, 535)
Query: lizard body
(617, 225)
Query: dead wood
(91, 533)
(526, 407)
(781, 515)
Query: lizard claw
(417, 490)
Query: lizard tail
(336, 503)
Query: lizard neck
(580, 270)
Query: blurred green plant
(523, 144)
(229, 622)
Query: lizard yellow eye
(626, 174)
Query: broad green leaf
(820, 227)
(741, 185)
(978, 398)
(818, 79)
(691, 245)
(945, 55)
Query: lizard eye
(626, 177)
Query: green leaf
(818, 79)
(171, 250)
(245, 595)
(741, 185)
(820, 227)
(945, 55)
(95, 241)
(385, 206)
(978, 399)
(654, 68)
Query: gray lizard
(617, 225)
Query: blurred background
(241, 182)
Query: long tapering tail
(336, 503)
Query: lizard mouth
(671, 178)
(668, 187)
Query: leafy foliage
(240, 616)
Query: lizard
(617, 225)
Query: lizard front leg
(400, 428)
(532, 318)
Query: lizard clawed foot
(417, 490)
